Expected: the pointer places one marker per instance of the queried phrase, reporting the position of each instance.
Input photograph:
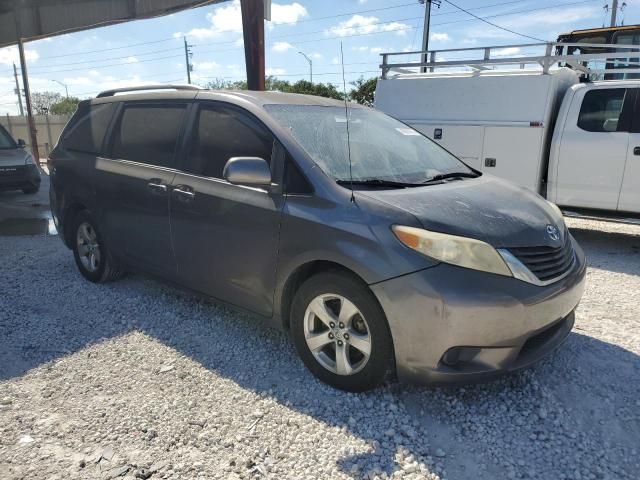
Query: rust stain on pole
(253, 31)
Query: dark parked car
(383, 254)
(18, 171)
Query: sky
(152, 51)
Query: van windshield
(382, 148)
(6, 142)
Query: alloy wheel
(337, 334)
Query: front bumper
(451, 324)
(19, 176)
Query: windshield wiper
(376, 182)
(444, 176)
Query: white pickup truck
(577, 143)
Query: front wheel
(91, 255)
(341, 332)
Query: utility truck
(542, 120)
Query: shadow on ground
(47, 311)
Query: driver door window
(221, 133)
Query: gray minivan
(381, 253)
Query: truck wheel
(341, 332)
(92, 256)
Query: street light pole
(66, 89)
(310, 66)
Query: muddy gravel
(137, 380)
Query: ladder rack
(548, 55)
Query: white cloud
(287, 13)
(10, 55)
(359, 24)
(335, 61)
(281, 47)
(507, 52)
(369, 49)
(227, 18)
(275, 71)
(205, 66)
(317, 56)
(132, 60)
(440, 37)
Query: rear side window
(148, 134)
(221, 133)
(86, 134)
(601, 110)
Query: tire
(99, 267)
(330, 293)
(30, 190)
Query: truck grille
(547, 263)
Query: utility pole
(187, 58)
(310, 66)
(425, 30)
(15, 75)
(614, 12)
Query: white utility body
(576, 143)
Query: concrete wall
(49, 128)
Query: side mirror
(22, 143)
(248, 171)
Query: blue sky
(151, 51)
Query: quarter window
(149, 134)
(601, 110)
(221, 133)
(86, 134)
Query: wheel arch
(69, 214)
(302, 273)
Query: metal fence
(49, 128)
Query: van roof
(182, 92)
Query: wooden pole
(253, 32)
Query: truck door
(630, 191)
(593, 151)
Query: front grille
(547, 263)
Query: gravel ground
(135, 379)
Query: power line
(493, 24)
(109, 58)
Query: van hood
(13, 157)
(485, 208)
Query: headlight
(461, 251)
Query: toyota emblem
(553, 232)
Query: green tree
(363, 91)
(42, 101)
(66, 106)
(277, 85)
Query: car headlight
(461, 251)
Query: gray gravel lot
(137, 380)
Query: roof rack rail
(113, 91)
(617, 58)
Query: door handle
(184, 193)
(156, 186)
(636, 151)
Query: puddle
(27, 226)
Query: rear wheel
(341, 332)
(92, 257)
